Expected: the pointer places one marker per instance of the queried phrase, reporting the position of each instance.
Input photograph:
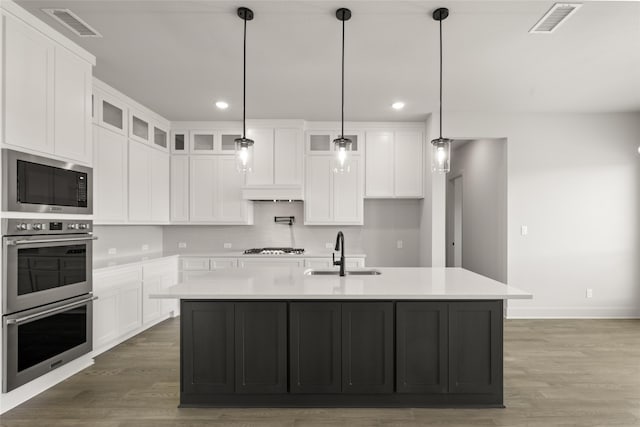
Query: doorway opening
(476, 215)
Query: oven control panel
(30, 227)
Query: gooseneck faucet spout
(340, 247)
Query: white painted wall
(481, 165)
(574, 180)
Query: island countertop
(398, 283)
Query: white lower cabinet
(123, 307)
(271, 262)
(326, 263)
(220, 263)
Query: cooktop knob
(72, 226)
(22, 226)
(37, 226)
(84, 226)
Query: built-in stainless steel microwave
(39, 184)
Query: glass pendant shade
(441, 155)
(244, 154)
(342, 158)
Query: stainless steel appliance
(47, 296)
(39, 184)
(274, 251)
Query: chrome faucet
(339, 247)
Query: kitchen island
(407, 337)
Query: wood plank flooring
(557, 373)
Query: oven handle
(19, 320)
(68, 239)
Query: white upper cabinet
(179, 142)
(148, 184)
(111, 112)
(179, 188)
(321, 141)
(139, 127)
(409, 167)
(212, 141)
(110, 176)
(331, 198)
(72, 112)
(160, 137)
(46, 93)
(394, 164)
(215, 194)
(28, 59)
(160, 183)
(379, 164)
(288, 158)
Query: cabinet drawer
(195, 264)
(219, 263)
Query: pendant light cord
(440, 79)
(342, 117)
(244, 81)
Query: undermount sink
(348, 273)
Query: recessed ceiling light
(397, 105)
(222, 105)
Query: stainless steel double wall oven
(47, 310)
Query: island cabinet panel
(261, 347)
(207, 347)
(315, 343)
(421, 347)
(475, 347)
(367, 347)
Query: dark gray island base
(341, 353)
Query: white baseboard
(22, 394)
(573, 313)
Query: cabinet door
(379, 164)
(105, 313)
(261, 347)
(179, 188)
(139, 182)
(139, 127)
(203, 142)
(288, 157)
(111, 112)
(317, 204)
(110, 175)
(262, 173)
(475, 347)
(220, 263)
(367, 347)
(421, 347)
(232, 208)
(179, 142)
(160, 183)
(203, 183)
(315, 364)
(129, 307)
(151, 308)
(72, 112)
(207, 350)
(28, 87)
(347, 195)
(408, 163)
(195, 264)
(160, 138)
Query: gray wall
(481, 165)
(126, 239)
(385, 222)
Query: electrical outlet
(399, 244)
(182, 245)
(228, 245)
(328, 245)
(112, 251)
(589, 293)
(524, 230)
(145, 247)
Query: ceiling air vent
(551, 20)
(72, 22)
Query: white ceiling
(179, 57)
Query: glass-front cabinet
(321, 142)
(160, 138)
(211, 141)
(138, 127)
(179, 142)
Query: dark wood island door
(421, 347)
(367, 347)
(475, 347)
(314, 342)
(207, 347)
(261, 347)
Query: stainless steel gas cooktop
(274, 251)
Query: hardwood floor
(557, 373)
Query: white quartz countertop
(239, 254)
(292, 283)
(114, 262)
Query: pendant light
(342, 145)
(244, 145)
(441, 147)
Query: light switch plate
(589, 293)
(112, 251)
(228, 245)
(524, 230)
(145, 247)
(328, 245)
(399, 244)
(182, 245)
